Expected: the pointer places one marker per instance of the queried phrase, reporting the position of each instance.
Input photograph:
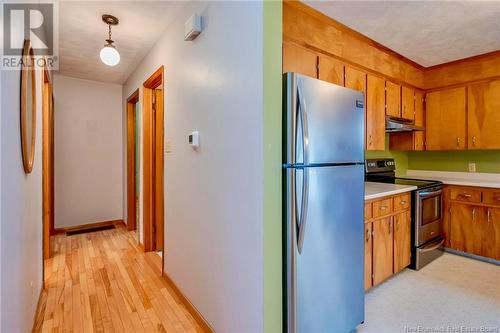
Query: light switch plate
(472, 167)
(168, 146)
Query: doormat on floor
(87, 230)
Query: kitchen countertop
(378, 190)
(458, 178)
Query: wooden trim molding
(90, 226)
(205, 326)
(41, 304)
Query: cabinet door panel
(490, 239)
(355, 79)
(419, 136)
(401, 241)
(466, 228)
(368, 255)
(393, 99)
(483, 115)
(331, 70)
(408, 103)
(445, 119)
(300, 60)
(383, 250)
(375, 113)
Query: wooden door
(408, 103)
(159, 170)
(419, 136)
(445, 119)
(383, 250)
(483, 114)
(466, 228)
(402, 235)
(299, 60)
(375, 113)
(490, 239)
(355, 79)
(132, 101)
(392, 99)
(368, 255)
(331, 70)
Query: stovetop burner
(383, 171)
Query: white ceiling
(82, 34)
(427, 32)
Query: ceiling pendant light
(109, 55)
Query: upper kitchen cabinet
(392, 99)
(419, 136)
(331, 70)
(408, 103)
(375, 113)
(483, 113)
(445, 119)
(299, 60)
(355, 79)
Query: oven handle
(433, 247)
(429, 194)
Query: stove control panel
(380, 165)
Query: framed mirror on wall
(28, 106)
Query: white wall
(213, 196)
(21, 212)
(88, 151)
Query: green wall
(272, 165)
(486, 160)
(401, 158)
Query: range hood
(394, 124)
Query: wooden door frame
(47, 164)
(132, 100)
(152, 164)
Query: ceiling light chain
(109, 54)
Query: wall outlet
(472, 167)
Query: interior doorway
(132, 161)
(47, 162)
(153, 161)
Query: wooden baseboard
(89, 226)
(38, 318)
(205, 326)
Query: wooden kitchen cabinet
(446, 119)
(408, 103)
(419, 136)
(383, 250)
(300, 60)
(355, 79)
(392, 99)
(466, 227)
(483, 115)
(375, 113)
(490, 236)
(331, 70)
(402, 233)
(368, 255)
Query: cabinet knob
(403, 202)
(458, 142)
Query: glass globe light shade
(109, 55)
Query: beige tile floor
(450, 293)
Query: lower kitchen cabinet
(490, 238)
(402, 241)
(383, 250)
(474, 222)
(368, 255)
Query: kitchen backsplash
(486, 160)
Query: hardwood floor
(103, 282)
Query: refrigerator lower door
(326, 279)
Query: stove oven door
(428, 220)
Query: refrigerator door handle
(302, 221)
(303, 119)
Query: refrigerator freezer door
(325, 122)
(326, 279)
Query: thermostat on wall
(194, 139)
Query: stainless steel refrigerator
(323, 206)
